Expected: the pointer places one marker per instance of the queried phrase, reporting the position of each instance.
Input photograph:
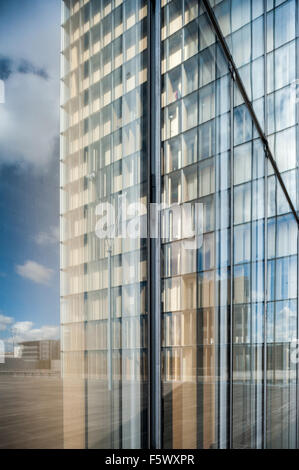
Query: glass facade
(103, 281)
(228, 310)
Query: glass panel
(103, 281)
(194, 319)
(218, 326)
(248, 282)
(282, 331)
(246, 234)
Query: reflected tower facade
(103, 281)
(180, 103)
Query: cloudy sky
(29, 169)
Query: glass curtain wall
(282, 324)
(229, 308)
(103, 280)
(262, 37)
(195, 282)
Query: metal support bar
(110, 345)
(154, 244)
(231, 305)
(265, 366)
(297, 186)
(109, 322)
(236, 77)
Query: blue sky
(29, 168)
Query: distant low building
(18, 352)
(43, 350)
(2, 352)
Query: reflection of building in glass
(43, 350)
(103, 154)
(228, 307)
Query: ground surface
(31, 413)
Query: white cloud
(286, 312)
(30, 115)
(5, 322)
(25, 331)
(35, 33)
(48, 238)
(29, 120)
(35, 272)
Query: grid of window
(214, 307)
(229, 302)
(103, 156)
(264, 44)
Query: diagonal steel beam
(237, 79)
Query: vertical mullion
(297, 366)
(154, 193)
(297, 202)
(81, 120)
(148, 293)
(231, 262)
(251, 403)
(264, 421)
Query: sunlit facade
(138, 76)
(104, 153)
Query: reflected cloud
(30, 114)
(5, 322)
(48, 238)
(35, 272)
(25, 331)
(9, 66)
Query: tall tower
(103, 281)
(184, 103)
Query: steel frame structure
(154, 196)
